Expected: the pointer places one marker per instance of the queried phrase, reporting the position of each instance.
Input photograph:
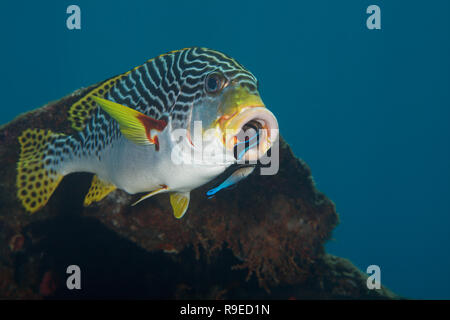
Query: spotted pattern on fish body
(82, 110)
(165, 87)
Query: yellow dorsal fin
(180, 203)
(151, 194)
(134, 125)
(37, 177)
(98, 190)
(81, 111)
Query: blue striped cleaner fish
(128, 128)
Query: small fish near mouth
(250, 133)
(257, 130)
(239, 174)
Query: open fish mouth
(251, 133)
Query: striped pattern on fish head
(222, 96)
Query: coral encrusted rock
(263, 239)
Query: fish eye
(214, 82)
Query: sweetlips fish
(142, 131)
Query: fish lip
(236, 122)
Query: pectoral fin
(134, 125)
(98, 190)
(180, 203)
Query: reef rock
(263, 239)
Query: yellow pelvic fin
(180, 203)
(98, 190)
(37, 177)
(151, 194)
(134, 125)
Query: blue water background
(367, 110)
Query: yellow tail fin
(37, 177)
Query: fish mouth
(250, 133)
